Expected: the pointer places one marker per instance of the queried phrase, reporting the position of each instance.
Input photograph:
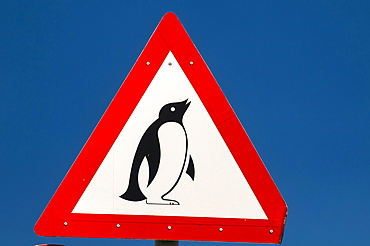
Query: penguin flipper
(191, 171)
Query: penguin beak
(187, 104)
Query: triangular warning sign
(168, 160)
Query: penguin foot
(161, 201)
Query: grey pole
(166, 243)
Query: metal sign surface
(169, 160)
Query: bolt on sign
(169, 160)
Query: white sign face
(188, 169)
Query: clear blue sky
(297, 74)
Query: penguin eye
(172, 109)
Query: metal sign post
(166, 243)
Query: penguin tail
(133, 195)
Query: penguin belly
(173, 153)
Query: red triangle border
(57, 219)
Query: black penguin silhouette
(149, 147)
